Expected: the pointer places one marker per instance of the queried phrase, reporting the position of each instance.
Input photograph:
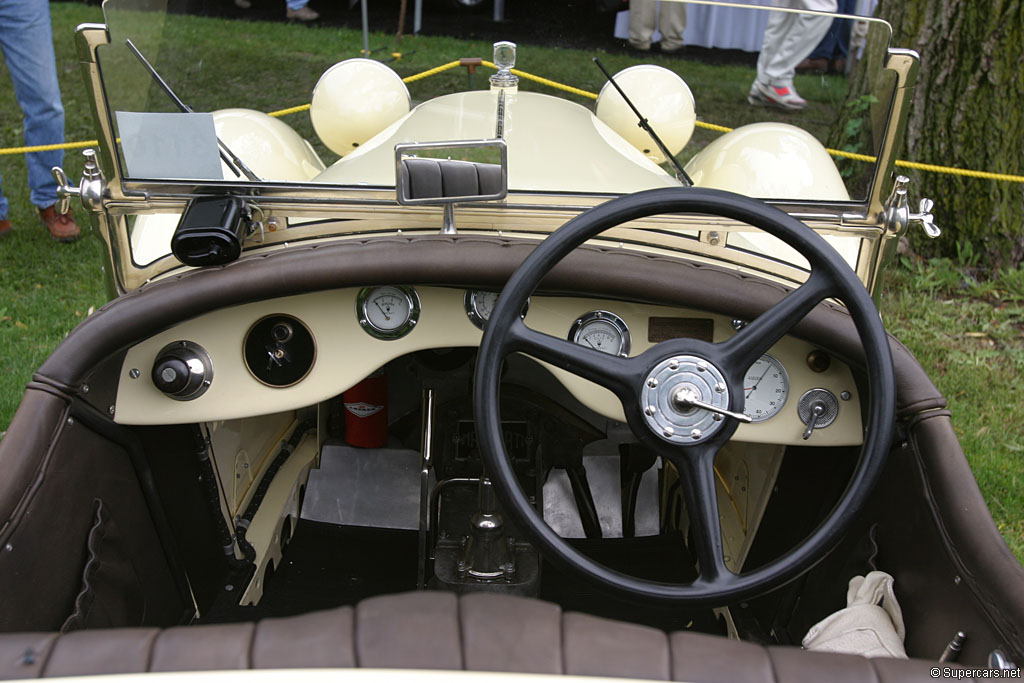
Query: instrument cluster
(300, 350)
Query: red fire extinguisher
(366, 412)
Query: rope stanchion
(932, 168)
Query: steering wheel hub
(671, 395)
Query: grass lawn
(966, 334)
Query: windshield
(191, 111)
(845, 110)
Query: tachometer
(603, 331)
(388, 312)
(765, 388)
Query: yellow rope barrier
(933, 168)
(546, 81)
(48, 148)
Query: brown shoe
(62, 226)
(812, 66)
(303, 14)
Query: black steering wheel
(683, 398)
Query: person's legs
(672, 23)
(298, 9)
(643, 14)
(791, 39)
(4, 207)
(774, 34)
(27, 42)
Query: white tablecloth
(707, 26)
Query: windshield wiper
(236, 165)
(642, 122)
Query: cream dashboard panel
(345, 353)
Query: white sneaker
(784, 97)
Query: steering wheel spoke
(615, 373)
(754, 340)
(696, 468)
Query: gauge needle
(386, 316)
(751, 389)
(591, 344)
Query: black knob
(171, 374)
(182, 371)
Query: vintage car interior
(502, 411)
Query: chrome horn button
(668, 397)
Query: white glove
(871, 625)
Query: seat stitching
(771, 662)
(355, 636)
(561, 644)
(671, 658)
(252, 645)
(48, 655)
(462, 635)
(149, 654)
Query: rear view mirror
(451, 172)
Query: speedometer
(765, 389)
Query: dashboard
(292, 352)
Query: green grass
(966, 334)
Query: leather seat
(433, 630)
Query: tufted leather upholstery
(433, 630)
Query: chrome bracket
(91, 188)
(897, 213)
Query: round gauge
(765, 388)
(279, 350)
(602, 331)
(388, 312)
(480, 304)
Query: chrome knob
(65, 191)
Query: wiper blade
(232, 160)
(642, 122)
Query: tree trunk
(968, 112)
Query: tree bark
(968, 112)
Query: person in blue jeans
(27, 42)
(832, 51)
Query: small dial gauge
(388, 312)
(765, 389)
(602, 331)
(480, 305)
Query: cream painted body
(581, 154)
(553, 145)
(346, 354)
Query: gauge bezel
(785, 380)
(618, 323)
(469, 303)
(306, 331)
(412, 298)
(200, 354)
